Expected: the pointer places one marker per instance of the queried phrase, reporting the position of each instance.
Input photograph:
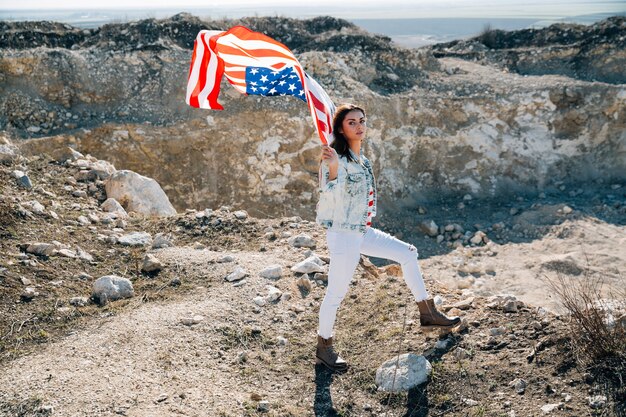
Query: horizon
(349, 9)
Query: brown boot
(431, 318)
(326, 355)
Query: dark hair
(340, 144)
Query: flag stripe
(254, 64)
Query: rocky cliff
(439, 124)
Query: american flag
(254, 64)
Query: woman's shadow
(323, 405)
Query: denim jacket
(343, 201)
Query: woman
(346, 207)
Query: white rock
(519, 385)
(79, 301)
(241, 214)
(135, 239)
(111, 205)
(151, 264)
(272, 272)
(302, 241)
(469, 402)
(84, 255)
(282, 341)
(29, 293)
(66, 252)
(260, 301)
(597, 401)
(497, 331)
(35, 206)
(304, 283)
(190, 321)
(273, 294)
(161, 241)
(567, 209)
(236, 275)
(307, 266)
(412, 370)
(510, 306)
(84, 220)
(112, 287)
(226, 258)
(429, 227)
(548, 408)
(42, 249)
(142, 194)
(477, 238)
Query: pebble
(302, 241)
(241, 214)
(236, 275)
(263, 406)
(428, 227)
(79, 301)
(567, 209)
(260, 301)
(135, 239)
(548, 408)
(519, 385)
(307, 266)
(190, 321)
(597, 401)
(272, 272)
(151, 264)
(28, 294)
(226, 258)
(282, 341)
(304, 283)
(497, 331)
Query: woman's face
(354, 126)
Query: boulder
(139, 194)
(411, 371)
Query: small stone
(28, 294)
(469, 402)
(460, 353)
(79, 193)
(79, 301)
(162, 398)
(597, 401)
(497, 331)
(302, 241)
(403, 373)
(236, 275)
(519, 385)
(548, 408)
(263, 406)
(282, 341)
(428, 227)
(272, 272)
(226, 258)
(567, 209)
(273, 294)
(242, 357)
(241, 214)
(110, 288)
(151, 264)
(260, 301)
(190, 321)
(304, 283)
(510, 306)
(161, 241)
(307, 266)
(135, 239)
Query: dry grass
(597, 330)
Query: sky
(350, 8)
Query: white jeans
(345, 249)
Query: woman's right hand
(330, 157)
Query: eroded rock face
(592, 53)
(436, 126)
